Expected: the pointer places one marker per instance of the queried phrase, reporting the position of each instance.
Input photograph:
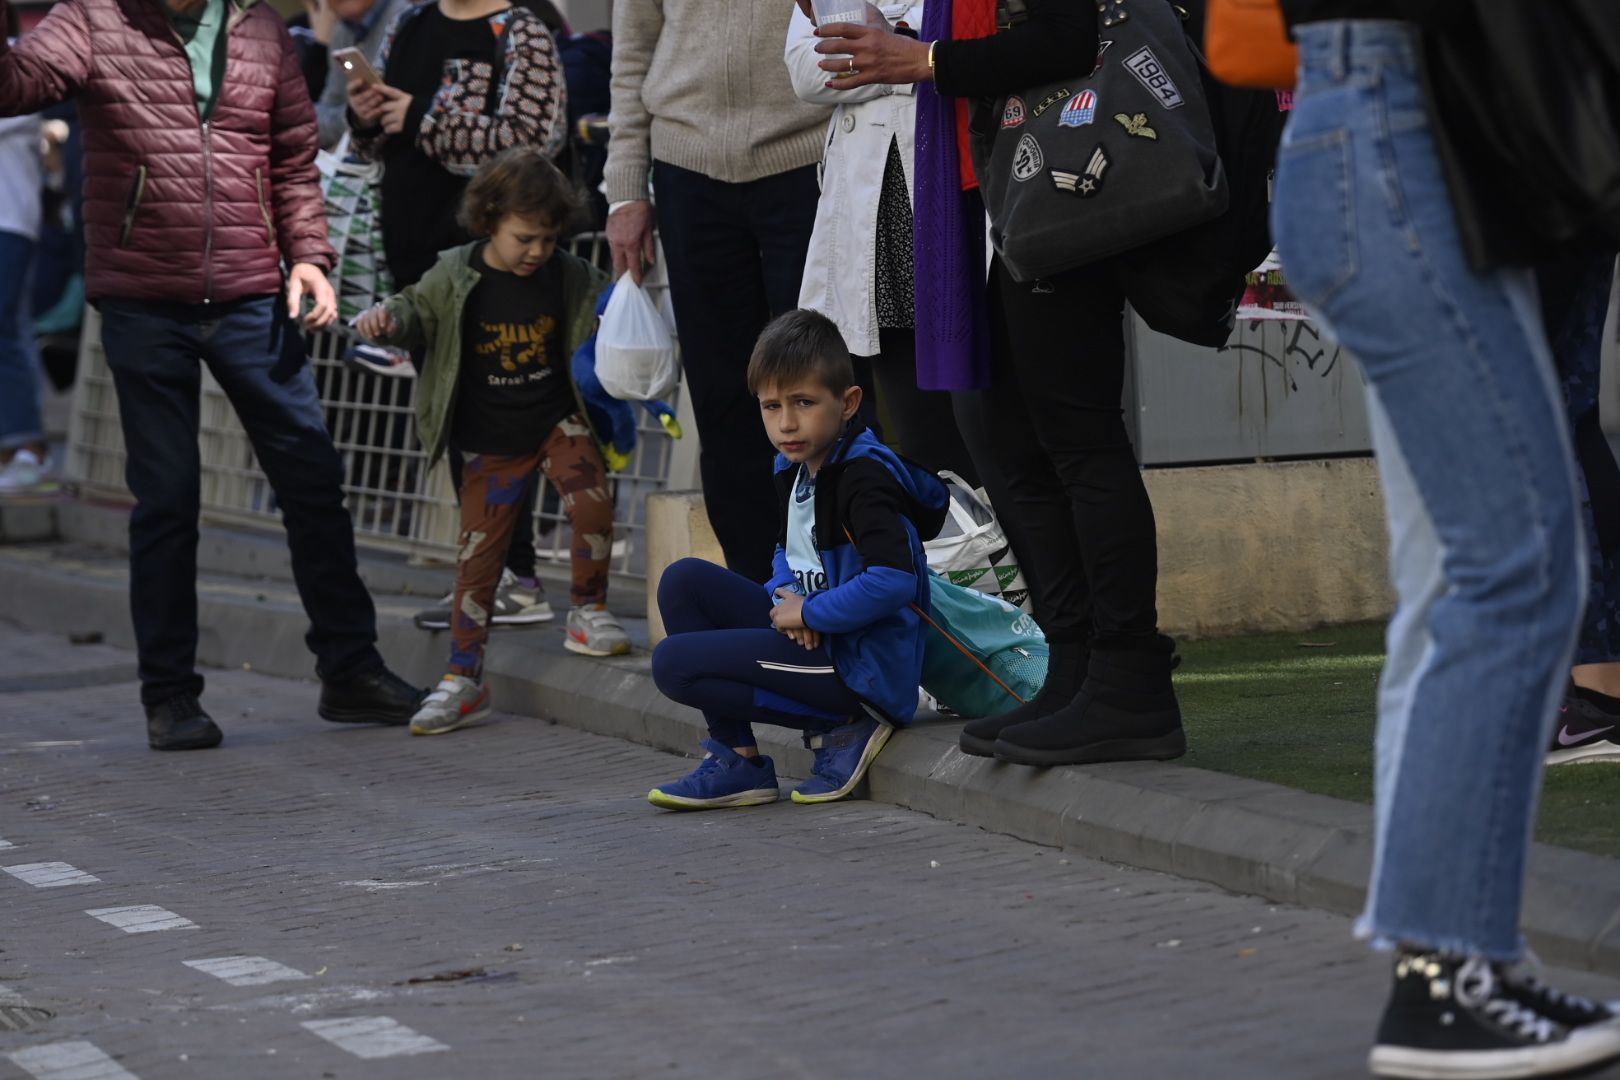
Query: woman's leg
(925, 424)
(20, 420)
(1479, 483)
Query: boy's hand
(789, 613)
(375, 323)
(810, 639)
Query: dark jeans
(257, 356)
(1063, 475)
(723, 657)
(1574, 305)
(925, 426)
(736, 257)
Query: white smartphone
(354, 65)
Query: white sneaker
(24, 472)
(595, 632)
(456, 702)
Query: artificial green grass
(1299, 710)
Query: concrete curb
(1243, 835)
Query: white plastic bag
(972, 551)
(635, 351)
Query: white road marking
(372, 885)
(8, 996)
(4, 843)
(246, 970)
(49, 875)
(68, 1061)
(373, 1037)
(141, 918)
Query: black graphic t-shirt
(515, 384)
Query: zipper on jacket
(208, 225)
(264, 207)
(137, 191)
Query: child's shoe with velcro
(456, 702)
(842, 757)
(722, 779)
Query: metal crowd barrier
(396, 502)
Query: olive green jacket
(429, 314)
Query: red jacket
(176, 209)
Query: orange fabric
(969, 19)
(1246, 43)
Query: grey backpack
(1078, 170)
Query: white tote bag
(972, 551)
(636, 359)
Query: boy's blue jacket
(889, 506)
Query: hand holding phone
(354, 65)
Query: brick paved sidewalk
(326, 886)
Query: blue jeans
(257, 356)
(723, 657)
(20, 419)
(1487, 555)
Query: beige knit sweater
(701, 84)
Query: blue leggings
(723, 657)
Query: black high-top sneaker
(1571, 1010)
(1065, 668)
(1454, 1017)
(1126, 711)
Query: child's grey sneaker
(594, 631)
(456, 702)
(515, 605)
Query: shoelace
(1559, 997)
(1476, 987)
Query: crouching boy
(833, 645)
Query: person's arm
(296, 205)
(888, 578)
(48, 64)
(637, 25)
(414, 320)
(781, 574)
(366, 139)
(332, 108)
(1058, 40)
(809, 81)
(532, 109)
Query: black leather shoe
(373, 697)
(181, 724)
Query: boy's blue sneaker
(842, 758)
(724, 778)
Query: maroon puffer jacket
(175, 209)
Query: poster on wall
(1267, 297)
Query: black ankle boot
(1126, 711)
(1065, 669)
(181, 724)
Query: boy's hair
(518, 181)
(797, 346)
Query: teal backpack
(982, 656)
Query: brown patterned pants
(491, 496)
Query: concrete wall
(1242, 548)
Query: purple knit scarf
(953, 337)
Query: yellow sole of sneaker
(874, 747)
(757, 797)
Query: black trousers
(1063, 475)
(925, 425)
(736, 257)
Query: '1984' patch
(1151, 74)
